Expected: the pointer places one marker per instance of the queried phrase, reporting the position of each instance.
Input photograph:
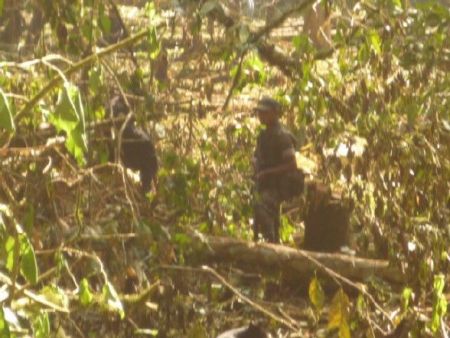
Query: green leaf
(4, 327)
(286, 229)
(375, 41)
(439, 302)
(85, 293)
(41, 326)
(104, 20)
(301, 43)
(69, 117)
(407, 294)
(339, 313)
(28, 262)
(316, 294)
(154, 45)
(111, 299)
(6, 118)
(2, 3)
(9, 248)
(182, 240)
(344, 330)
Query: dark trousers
(266, 221)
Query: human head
(268, 110)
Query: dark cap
(268, 104)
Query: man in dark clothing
(277, 176)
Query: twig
(37, 298)
(347, 281)
(236, 78)
(279, 21)
(248, 300)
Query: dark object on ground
(251, 331)
(137, 149)
(327, 220)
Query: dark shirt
(272, 146)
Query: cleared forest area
(364, 87)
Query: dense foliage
(83, 253)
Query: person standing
(276, 174)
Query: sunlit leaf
(154, 44)
(69, 117)
(339, 313)
(286, 229)
(375, 41)
(111, 299)
(6, 118)
(316, 294)
(10, 252)
(344, 330)
(439, 302)
(41, 326)
(85, 293)
(407, 295)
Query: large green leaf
(6, 118)
(69, 117)
(339, 313)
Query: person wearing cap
(274, 164)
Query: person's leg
(267, 216)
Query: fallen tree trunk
(283, 259)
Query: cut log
(280, 258)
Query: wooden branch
(279, 258)
(33, 296)
(236, 79)
(75, 67)
(268, 52)
(280, 20)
